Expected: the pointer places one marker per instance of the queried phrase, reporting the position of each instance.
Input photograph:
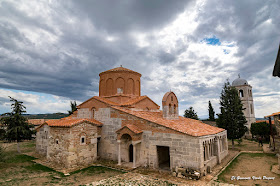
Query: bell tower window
(241, 94)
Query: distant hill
(46, 116)
(261, 119)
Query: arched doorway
(130, 153)
(126, 148)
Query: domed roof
(120, 69)
(239, 81)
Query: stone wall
(65, 145)
(184, 150)
(58, 145)
(42, 137)
(82, 154)
(108, 140)
(84, 113)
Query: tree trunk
(232, 142)
(18, 148)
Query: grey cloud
(69, 65)
(165, 57)
(123, 16)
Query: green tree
(190, 113)
(17, 127)
(262, 129)
(231, 117)
(73, 106)
(211, 112)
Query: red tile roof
(273, 114)
(69, 122)
(104, 100)
(128, 103)
(267, 121)
(184, 125)
(133, 128)
(120, 69)
(37, 122)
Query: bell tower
(246, 96)
(170, 106)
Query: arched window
(170, 109)
(93, 112)
(175, 109)
(171, 98)
(204, 152)
(241, 93)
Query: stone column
(217, 142)
(119, 152)
(134, 156)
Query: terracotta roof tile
(273, 114)
(69, 122)
(133, 101)
(104, 100)
(133, 128)
(120, 69)
(37, 122)
(267, 121)
(65, 122)
(184, 125)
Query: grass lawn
(246, 145)
(249, 165)
(18, 169)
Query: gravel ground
(132, 179)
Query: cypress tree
(211, 112)
(231, 117)
(73, 106)
(190, 113)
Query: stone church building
(122, 125)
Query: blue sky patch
(226, 51)
(212, 41)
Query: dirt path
(251, 169)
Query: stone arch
(109, 87)
(102, 87)
(130, 86)
(120, 85)
(137, 88)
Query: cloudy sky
(52, 51)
